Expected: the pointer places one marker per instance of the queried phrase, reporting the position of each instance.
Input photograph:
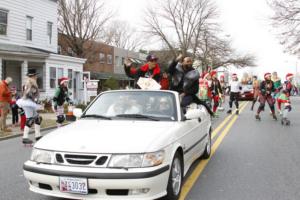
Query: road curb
(31, 132)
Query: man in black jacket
(185, 80)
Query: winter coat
(143, 71)
(184, 81)
(5, 94)
(31, 90)
(61, 95)
(266, 87)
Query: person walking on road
(5, 99)
(266, 88)
(255, 84)
(216, 90)
(30, 106)
(60, 97)
(277, 87)
(235, 88)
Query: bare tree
(120, 34)
(81, 21)
(178, 23)
(190, 26)
(286, 19)
(216, 51)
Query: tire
(207, 151)
(175, 178)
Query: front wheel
(207, 151)
(175, 178)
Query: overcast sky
(245, 21)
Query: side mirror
(77, 112)
(193, 114)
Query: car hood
(105, 136)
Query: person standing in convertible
(185, 80)
(150, 70)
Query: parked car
(246, 93)
(127, 144)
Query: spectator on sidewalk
(5, 99)
(14, 106)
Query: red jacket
(5, 93)
(164, 82)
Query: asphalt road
(255, 160)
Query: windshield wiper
(139, 116)
(96, 116)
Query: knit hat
(267, 74)
(289, 76)
(151, 57)
(62, 80)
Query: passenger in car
(150, 70)
(185, 80)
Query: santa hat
(289, 76)
(267, 74)
(63, 80)
(212, 73)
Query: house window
(29, 28)
(70, 76)
(109, 59)
(49, 32)
(52, 77)
(123, 60)
(102, 57)
(3, 22)
(60, 72)
(117, 60)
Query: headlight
(42, 156)
(136, 160)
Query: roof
(107, 75)
(22, 50)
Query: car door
(193, 131)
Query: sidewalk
(48, 123)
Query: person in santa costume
(287, 86)
(266, 88)
(204, 92)
(150, 70)
(30, 106)
(60, 97)
(216, 90)
(235, 88)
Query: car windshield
(138, 105)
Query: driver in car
(124, 105)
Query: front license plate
(73, 185)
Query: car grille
(91, 160)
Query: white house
(28, 39)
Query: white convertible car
(129, 144)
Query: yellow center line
(216, 131)
(200, 167)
